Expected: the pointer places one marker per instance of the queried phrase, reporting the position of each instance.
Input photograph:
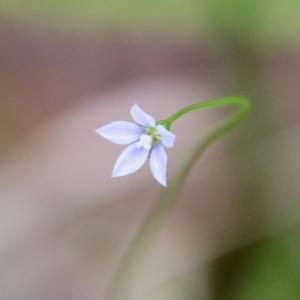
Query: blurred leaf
(269, 269)
(257, 20)
(179, 14)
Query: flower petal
(158, 163)
(121, 132)
(141, 117)
(167, 137)
(130, 160)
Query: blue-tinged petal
(167, 137)
(130, 160)
(121, 132)
(158, 163)
(141, 117)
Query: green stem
(135, 254)
(232, 100)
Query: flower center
(152, 131)
(147, 139)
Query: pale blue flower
(146, 139)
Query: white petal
(130, 160)
(121, 132)
(141, 117)
(158, 163)
(167, 137)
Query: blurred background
(69, 67)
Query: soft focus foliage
(259, 21)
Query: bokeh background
(68, 67)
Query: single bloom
(146, 139)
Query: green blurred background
(77, 65)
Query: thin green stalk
(121, 284)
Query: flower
(146, 139)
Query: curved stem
(120, 288)
(231, 100)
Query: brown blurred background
(69, 68)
